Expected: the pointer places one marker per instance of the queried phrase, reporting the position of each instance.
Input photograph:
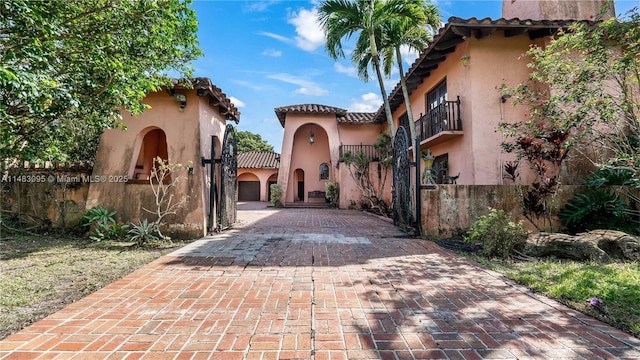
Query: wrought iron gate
(401, 179)
(227, 208)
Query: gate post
(417, 158)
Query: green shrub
(332, 192)
(276, 195)
(104, 224)
(499, 235)
(596, 209)
(603, 177)
(144, 232)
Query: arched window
(324, 171)
(154, 144)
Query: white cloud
(369, 102)
(348, 70)
(259, 6)
(271, 121)
(237, 102)
(313, 90)
(250, 85)
(310, 35)
(408, 55)
(284, 39)
(272, 52)
(306, 87)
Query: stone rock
(597, 245)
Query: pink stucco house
(184, 124)
(257, 170)
(454, 92)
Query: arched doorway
(248, 187)
(311, 159)
(298, 177)
(273, 179)
(152, 144)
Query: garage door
(249, 190)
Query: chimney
(555, 9)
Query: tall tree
(414, 32)
(248, 141)
(67, 66)
(342, 19)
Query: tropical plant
(332, 191)
(596, 209)
(69, 67)
(582, 90)
(104, 224)
(359, 166)
(342, 19)
(144, 232)
(413, 32)
(499, 236)
(622, 182)
(607, 176)
(276, 195)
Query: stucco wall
(491, 56)
(476, 155)
(298, 153)
(458, 80)
(49, 198)
(262, 175)
(211, 124)
(552, 9)
(449, 209)
(117, 153)
(351, 134)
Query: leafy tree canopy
(248, 141)
(67, 66)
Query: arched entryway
(248, 187)
(151, 144)
(311, 160)
(298, 179)
(273, 179)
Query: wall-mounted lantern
(182, 99)
(311, 137)
(465, 60)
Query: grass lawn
(41, 274)
(573, 283)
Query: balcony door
(437, 96)
(437, 109)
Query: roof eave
(456, 31)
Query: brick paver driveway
(316, 284)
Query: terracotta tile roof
(357, 118)
(454, 32)
(204, 86)
(258, 160)
(342, 116)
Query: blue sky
(266, 54)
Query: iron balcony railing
(367, 150)
(444, 117)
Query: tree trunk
(407, 103)
(376, 65)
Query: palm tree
(364, 18)
(414, 31)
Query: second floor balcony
(440, 124)
(368, 151)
